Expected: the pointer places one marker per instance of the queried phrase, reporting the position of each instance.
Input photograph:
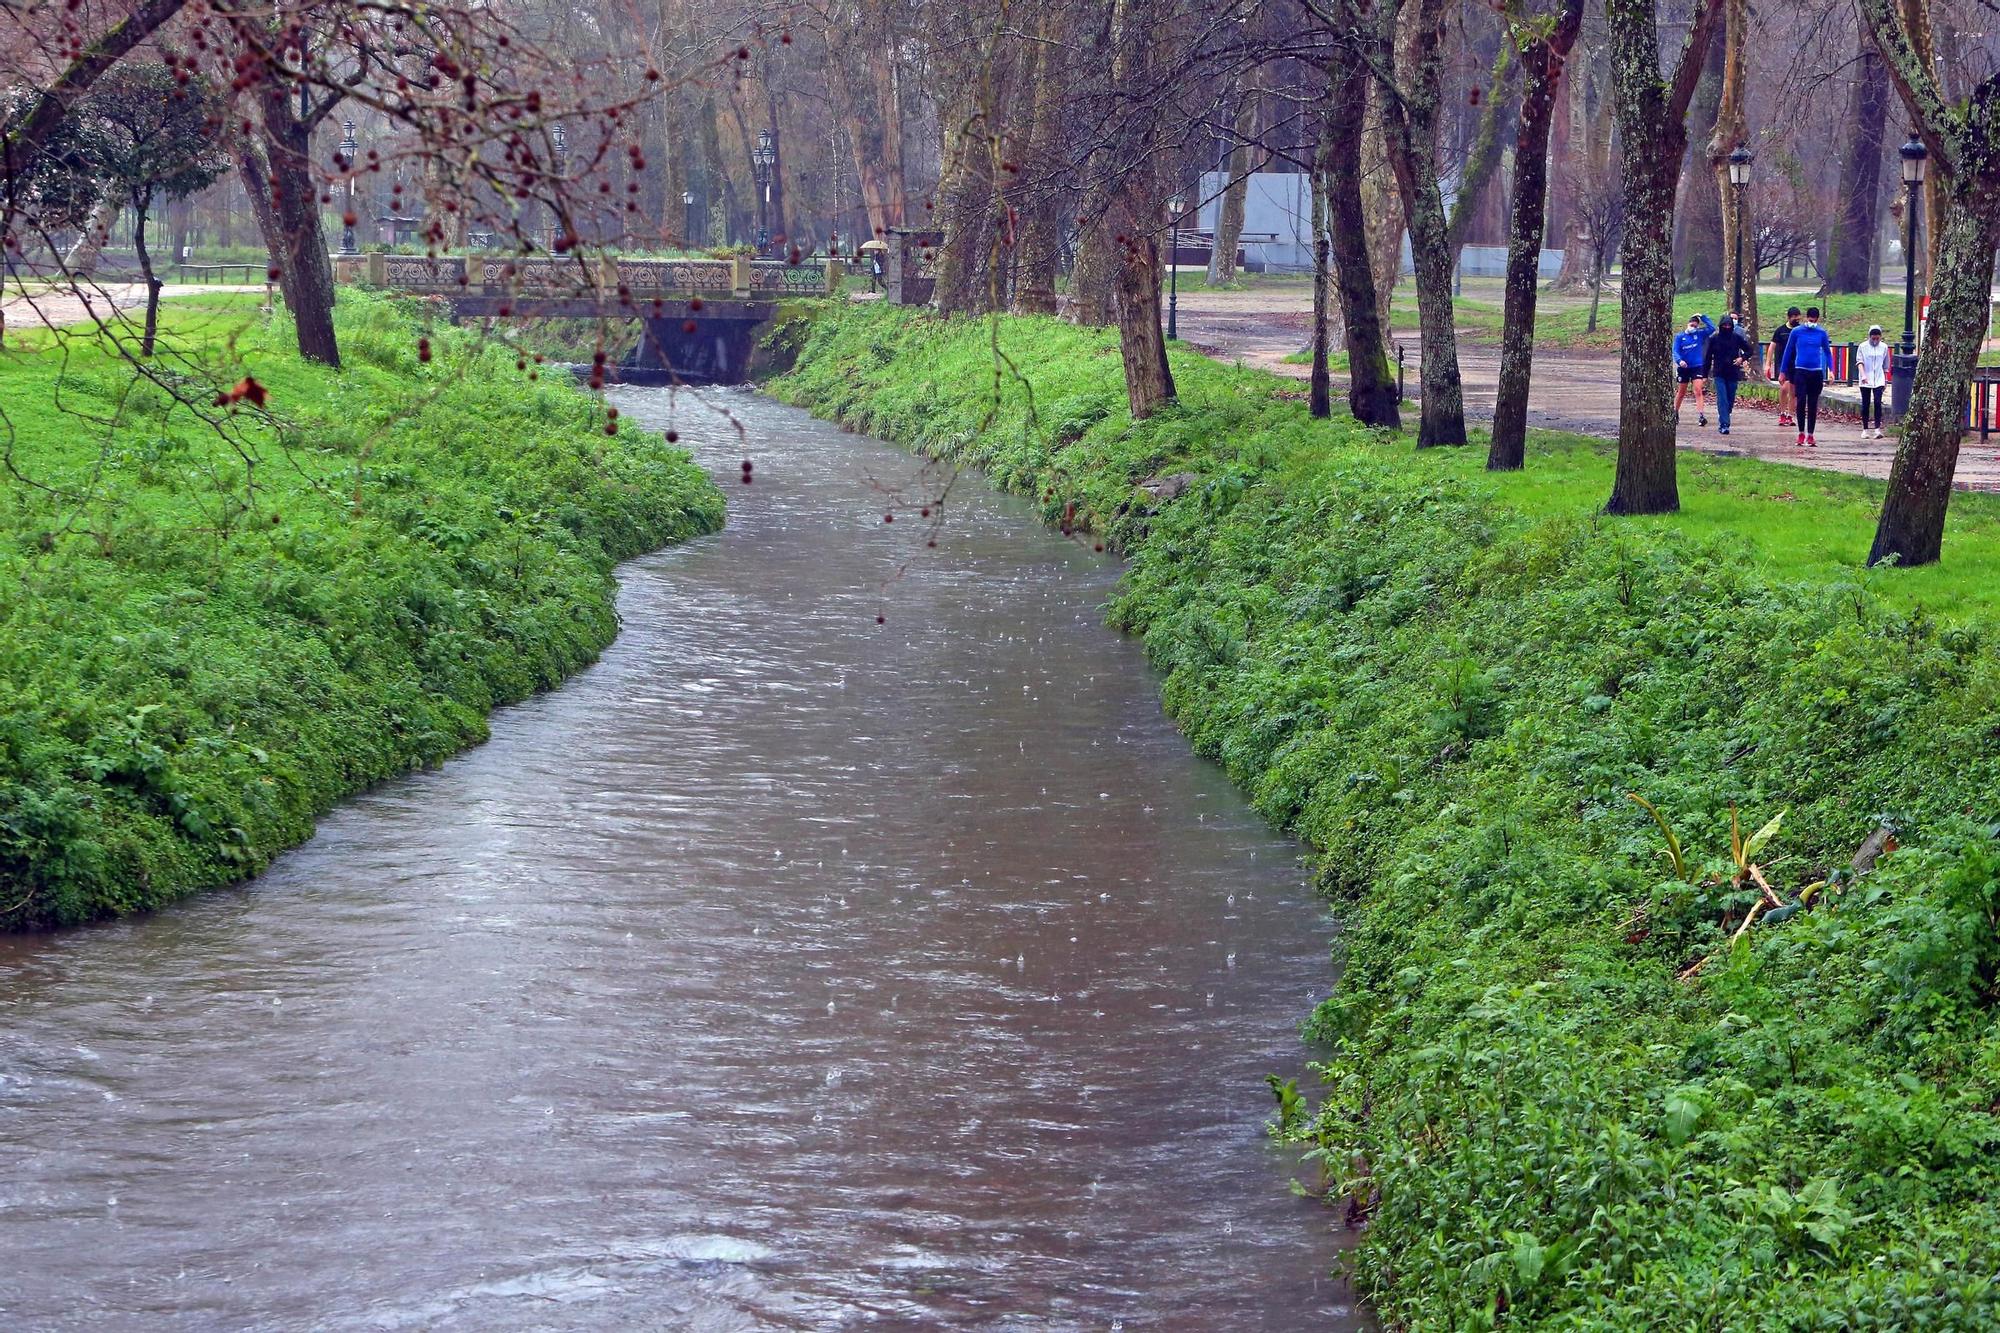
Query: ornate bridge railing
(609, 279)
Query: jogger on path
(1728, 357)
(1774, 369)
(1872, 363)
(1808, 359)
(1690, 355)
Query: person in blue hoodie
(1808, 361)
(1690, 358)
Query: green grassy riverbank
(218, 619)
(1582, 1073)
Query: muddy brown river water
(784, 970)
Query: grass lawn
(222, 611)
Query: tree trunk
(1411, 123)
(1039, 234)
(965, 266)
(1319, 394)
(1235, 191)
(1732, 129)
(1857, 228)
(1138, 204)
(1911, 527)
(1383, 209)
(305, 274)
(1542, 62)
(1652, 128)
(1371, 389)
(146, 339)
(80, 260)
(1482, 157)
(1698, 242)
(1587, 167)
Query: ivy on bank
(206, 642)
(1450, 697)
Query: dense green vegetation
(207, 636)
(1448, 684)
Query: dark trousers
(1809, 384)
(1725, 399)
(1872, 398)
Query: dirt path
(1573, 391)
(59, 307)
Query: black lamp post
(560, 158)
(1913, 155)
(762, 158)
(1173, 269)
(348, 148)
(1739, 179)
(687, 219)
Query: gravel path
(1573, 391)
(58, 308)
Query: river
(786, 969)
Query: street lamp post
(560, 162)
(1173, 269)
(1913, 155)
(762, 157)
(687, 219)
(348, 148)
(1739, 178)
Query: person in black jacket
(1729, 355)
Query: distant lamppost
(1739, 178)
(687, 219)
(348, 148)
(1913, 154)
(558, 167)
(1173, 269)
(762, 158)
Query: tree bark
(1319, 392)
(1542, 60)
(1731, 130)
(1410, 121)
(1236, 190)
(298, 246)
(1698, 241)
(152, 327)
(1138, 200)
(80, 260)
(1371, 389)
(1911, 527)
(1382, 207)
(1857, 229)
(1039, 235)
(1652, 127)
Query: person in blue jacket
(1690, 359)
(1808, 360)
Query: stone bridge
(701, 316)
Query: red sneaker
(1811, 443)
(1802, 440)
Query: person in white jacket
(1871, 360)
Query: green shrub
(207, 638)
(1448, 684)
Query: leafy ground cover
(208, 636)
(1581, 1072)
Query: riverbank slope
(1569, 1085)
(239, 588)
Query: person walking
(1872, 367)
(1728, 358)
(1690, 354)
(1774, 367)
(1808, 360)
